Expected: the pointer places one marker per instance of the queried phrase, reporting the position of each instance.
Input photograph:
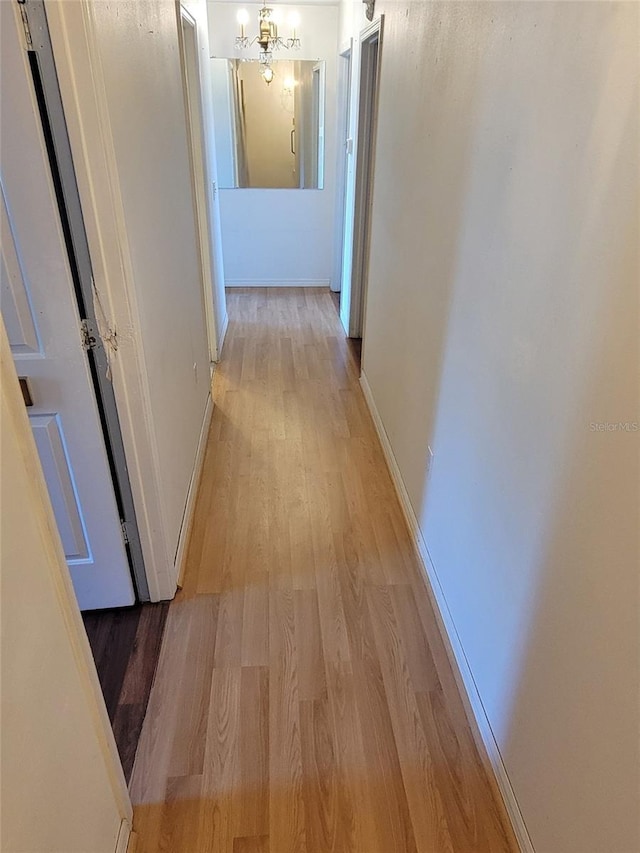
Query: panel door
(41, 316)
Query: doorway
(344, 152)
(367, 125)
(361, 120)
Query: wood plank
(228, 642)
(323, 824)
(311, 680)
(286, 805)
(221, 765)
(180, 815)
(126, 646)
(142, 662)
(357, 814)
(419, 657)
(187, 757)
(150, 771)
(112, 636)
(428, 818)
(251, 806)
(254, 649)
(127, 725)
(460, 778)
(393, 825)
(252, 844)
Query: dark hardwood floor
(126, 645)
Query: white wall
(121, 82)
(62, 785)
(281, 236)
(501, 323)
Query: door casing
(359, 177)
(344, 92)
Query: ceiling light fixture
(267, 38)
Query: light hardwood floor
(303, 699)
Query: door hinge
(89, 335)
(25, 25)
(125, 533)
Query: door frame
(319, 74)
(189, 53)
(358, 196)
(369, 86)
(344, 90)
(90, 308)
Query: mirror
(269, 134)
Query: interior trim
(279, 282)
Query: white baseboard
(122, 842)
(280, 282)
(475, 708)
(187, 518)
(223, 334)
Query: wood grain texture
(304, 702)
(126, 645)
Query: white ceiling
(276, 2)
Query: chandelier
(268, 37)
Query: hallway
(303, 699)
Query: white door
(43, 324)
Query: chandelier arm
(267, 37)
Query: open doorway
(367, 122)
(345, 149)
(358, 168)
(346, 177)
